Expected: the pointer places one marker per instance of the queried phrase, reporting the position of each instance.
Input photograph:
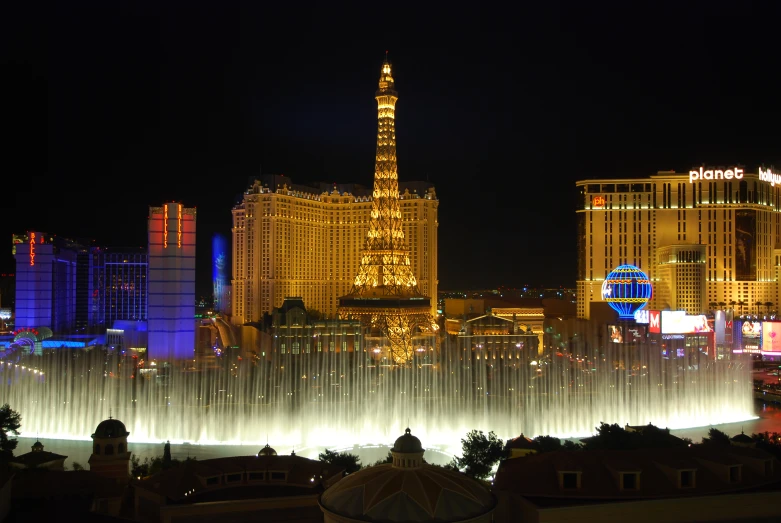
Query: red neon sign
(32, 248)
(654, 323)
(179, 233)
(165, 226)
(598, 202)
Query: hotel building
(119, 285)
(298, 240)
(711, 235)
(171, 282)
(46, 281)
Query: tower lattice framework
(385, 294)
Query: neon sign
(598, 202)
(32, 248)
(766, 175)
(165, 226)
(715, 174)
(179, 232)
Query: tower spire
(385, 292)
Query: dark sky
(114, 106)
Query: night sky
(114, 106)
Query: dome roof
(388, 493)
(742, 438)
(267, 451)
(111, 428)
(407, 443)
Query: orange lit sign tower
(171, 283)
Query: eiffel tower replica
(385, 295)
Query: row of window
(250, 476)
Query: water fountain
(336, 399)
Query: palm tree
(742, 304)
(769, 305)
(759, 304)
(732, 304)
(713, 305)
(722, 305)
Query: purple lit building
(46, 281)
(171, 282)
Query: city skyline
(147, 105)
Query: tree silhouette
(715, 437)
(10, 421)
(614, 437)
(167, 455)
(480, 453)
(388, 459)
(769, 305)
(547, 443)
(609, 437)
(350, 462)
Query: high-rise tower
(171, 292)
(385, 294)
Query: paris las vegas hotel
(708, 235)
(306, 241)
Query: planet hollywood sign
(766, 175)
(715, 174)
(735, 173)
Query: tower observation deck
(385, 295)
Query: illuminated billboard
(771, 338)
(751, 329)
(641, 316)
(615, 333)
(654, 322)
(635, 334)
(751, 336)
(678, 322)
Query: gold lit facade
(293, 240)
(385, 295)
(704, 243)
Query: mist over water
(338, 400)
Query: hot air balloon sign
(626, 289)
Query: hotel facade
(295, 240)
(706, 236)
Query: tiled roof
(428, 493)
(191, 475)
(36, 458)
(521, 442)
(536, 476)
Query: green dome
(111, 428)
(407, 443)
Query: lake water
(768, 420)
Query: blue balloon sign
(626, 289)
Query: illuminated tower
(385, 294)
(171, 294)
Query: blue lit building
(119, 285)
(219, 278)
(47, 282)
(171, 281)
